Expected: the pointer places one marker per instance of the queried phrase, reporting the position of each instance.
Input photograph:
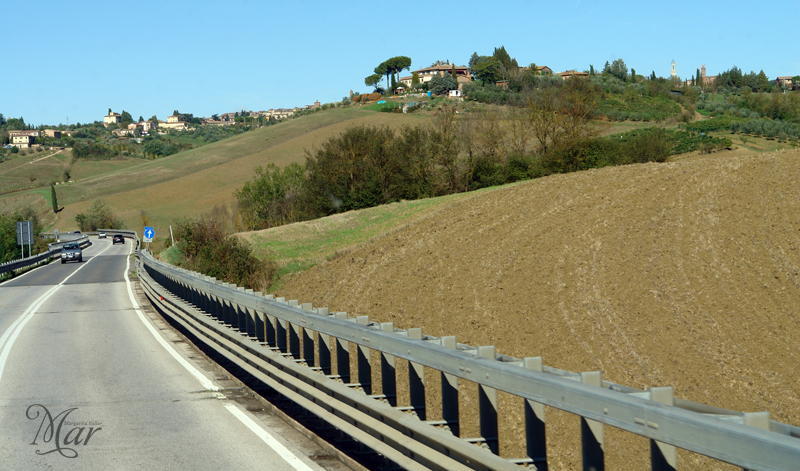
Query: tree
(383, 70)
(560, 115)
(618, 69)
(762, 82)
(398, 64)
(591, 69)
(633, 75)
(443, 83)
(502, 55)
(373, 81)
(99, 216)
(415, 79)
(271, 198)
(54, 198)
(125, 118)
(487, 69)
(15, 124)
(392, 67)
(141, 120)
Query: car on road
(117, 238)
(101, 235)
(71, 252)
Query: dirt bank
(684, 274)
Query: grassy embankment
(299, 246)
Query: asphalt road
(87, 381)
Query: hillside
(684, 274)
(194, 181)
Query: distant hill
(684, 274)
(192, 182)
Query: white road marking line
(281, 450)
(204, 381)
(11, 334)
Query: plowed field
(683, 274)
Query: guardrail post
(308, 340)
(536, 444)
(324, 346)
(226, 307)
(342, 354)
(270, 327)
(663, 457)
(240, 314)
(204, 297)
(179, 290)
(250, 317)
(218, 308)
(592, 438)
(416, 380)
(280, 335)
(294, 340)
(487, 406)
(196, 296)
(388, 371)
(364, 362)
(450, 392)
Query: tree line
(366, 166)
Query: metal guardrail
(263, 336)
(53, 250)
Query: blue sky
(77, 59)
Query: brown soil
(684, 274)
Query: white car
(101, 235)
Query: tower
(672, 72)
(703, 72)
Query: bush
(206, 248)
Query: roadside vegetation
(9, 250)
(206, 245)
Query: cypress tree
(54, 198)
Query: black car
(117, 238)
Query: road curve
(87, 381)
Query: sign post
(25, 236)
(149, 234)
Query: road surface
(88, 380)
